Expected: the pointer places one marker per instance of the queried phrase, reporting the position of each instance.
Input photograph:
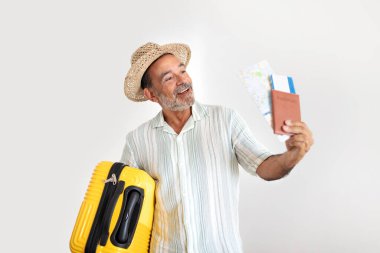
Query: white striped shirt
(196, 175)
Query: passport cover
(284, 106)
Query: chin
(182, 106)
(178, 105)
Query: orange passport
(284, 106)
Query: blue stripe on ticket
(271, 81)
(291, 85)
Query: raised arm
(277, 166)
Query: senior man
(193, 151)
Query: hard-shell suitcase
(116, 214)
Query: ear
(149, 94)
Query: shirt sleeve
(249, 152)
(128, 157)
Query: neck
(176, 119)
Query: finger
(298, 142)
(295, 130)
(298, 137)
(299, 124)
(302, 146)
(299, 145)
(292, 141)
(294, 122)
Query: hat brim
(132, 83)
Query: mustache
(182, 88)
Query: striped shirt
(196, 173)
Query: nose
(180, 78)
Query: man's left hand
(300, 141)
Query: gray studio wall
(62, 110)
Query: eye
(168, 78)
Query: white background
(63, 110)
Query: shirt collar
(198, 112)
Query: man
(193, 151)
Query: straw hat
(142, 58)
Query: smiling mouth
(183, 92)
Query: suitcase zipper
(104, 203)
(108, 213)
(112, 179)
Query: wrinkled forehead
(165, 63)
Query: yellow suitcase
(116, 214)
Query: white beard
(175, 104)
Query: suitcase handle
(126, 225)
(125, 228)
